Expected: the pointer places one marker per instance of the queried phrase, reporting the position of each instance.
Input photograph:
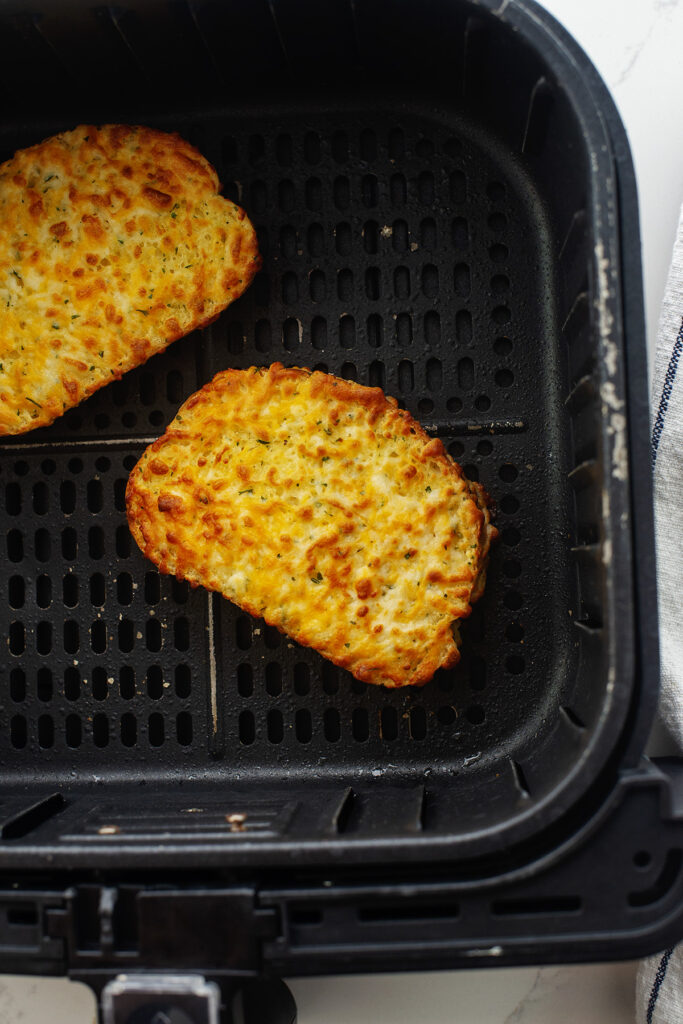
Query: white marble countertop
(635, 44)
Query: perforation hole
(72, 683)
(399, 236)
(120, 494)
(369, 190)
(17, 685)
(100, 689)
(330, 678)
(446, 715)
(463, 326)
(425, 407)
(129, 462)
(155, 729)
(243, 632)
(432, 328)
(245, 681)
(303, 725)
(509, 504)
(426, 191)
(331, 725)
(457, 187)
(15, 591)
(642, 859)
(95, 541)
(155, 682)
(262, 336)
(501, 315)
(21, 467)
(302, 683)
(13, 499)
(418, 723)
(340, 147)
(498, 253)
(370, 233)
(124, 588)
(274, 678)
(69, 544)
(341, 193)
(183, 728)
(153, 637)
(246, 728)
(349, 371)
(129, 729)
(360, 726)
(482, 403)
(484, 447)
(343, 239)
(375, 330)
(127, 682)
(461, 280)
(100, 729)
(513, 600)
(512, 568)
(181, 633)
(454, 405)
(497, 222)
(315, 240)
(180, 590)
(475, 714)
(183, 681)
(15, 546)
(44, 686)
(317, 286)
(406, 376)
(428, 234)
(376, 374)
(152, 588)
(504, 378)
(129, 419)
(404, 329)
(236, 334)
(388, 724)
(18, 732)
(373, 283)
(71, 638)
(283, 150)
(314, 194)
(515, 664)
(398, 190)
(75, 465)
(126, 635)
(98, 637)
(434, 374)
(347, 331)
(290, 290)
(123, 541)
(319, 332)
(44, 591)
(73, 731)
(402, 283)
(43, 638)
(430, 281)
(511, 536)
(174, 386)
(274, 726)
(456, 449)
(286, 196)
(500, 283)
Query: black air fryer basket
(445, 202)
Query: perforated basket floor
(399, 251)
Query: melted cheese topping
(319, 505)
(114, 243)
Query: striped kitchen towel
(659, 986)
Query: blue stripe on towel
(669, 379)
(661, 970)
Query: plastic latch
(161, 999)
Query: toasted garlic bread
(114, 243)
(318, 504)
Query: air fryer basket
(445, 205)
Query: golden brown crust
(320, 505)
(114, 243)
